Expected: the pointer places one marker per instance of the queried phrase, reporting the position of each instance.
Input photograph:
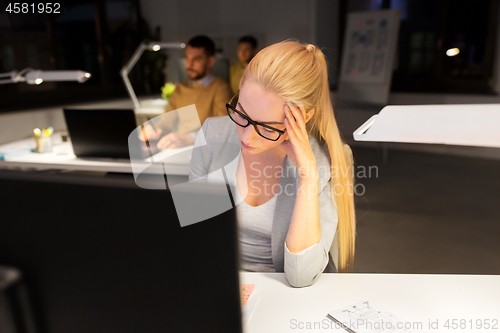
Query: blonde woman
(280, 149)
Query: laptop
(104, 133)
(105, 259)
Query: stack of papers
(17, 148)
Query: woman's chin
(252, 151)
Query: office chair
(16, 314)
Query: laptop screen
(103, 133)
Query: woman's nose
(249, 134)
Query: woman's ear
(309, 115)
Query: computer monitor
(106, 259)
(98, 133)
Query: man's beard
(198, 75)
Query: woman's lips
(246, 147)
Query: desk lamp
(150, 46)
(36, 76)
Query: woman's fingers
(298, 114)
(290, 117)
(298, 132)
(290, 129)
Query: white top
(214, 162)
(255, 226)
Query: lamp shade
(38, 76)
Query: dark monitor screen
(99, 259)
(104, 133)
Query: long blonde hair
(298, 73)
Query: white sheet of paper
(247, 310)
(180, 155)
(369, 317)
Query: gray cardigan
(218, 145)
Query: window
(94, 36)
(445, 46)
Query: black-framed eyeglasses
(241, 119)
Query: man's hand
(150, 133)
(174, 140)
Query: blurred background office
(429, 208)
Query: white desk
(415, 298)
(63, 158)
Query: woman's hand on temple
(297, 146)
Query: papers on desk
(369, 317)
(180, 155)
(246, 292)
(17, 148)
(248, 301)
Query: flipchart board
(368, 57)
